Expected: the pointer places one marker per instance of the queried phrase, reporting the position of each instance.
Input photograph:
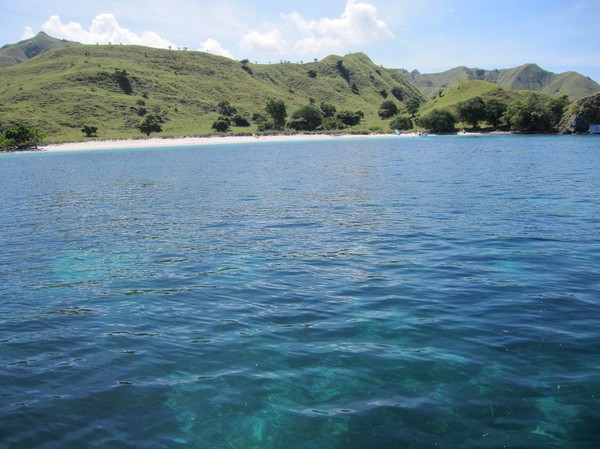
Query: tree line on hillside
(309, 117)
(527, 113)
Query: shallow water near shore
(396, 293)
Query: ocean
(437, 292)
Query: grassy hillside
(581, 114)
(528, 76)
(13, 54)
(65, 88)
(464, 90)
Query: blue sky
(427, 35)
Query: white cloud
(27, 33)
(104, 29)
(214, 47)
(316, 44)
(357, 24)
(270, 42)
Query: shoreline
(163, 142)
(166, 142)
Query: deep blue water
(379, 293)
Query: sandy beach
(200, 141)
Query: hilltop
(13, 54)
(525, 77)
(467, 89)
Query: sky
(427, 35)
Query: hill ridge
(13, 54)
(529, 76)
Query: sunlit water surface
(379, 293)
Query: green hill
(581, 114)
(13, 54)
(528, 76)
(465, 90)
(113, 86)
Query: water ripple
(370, 294)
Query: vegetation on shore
(114, 87)
(76, 92)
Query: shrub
(245, 67)
(90, 131)
(22, 136)
(220, 125)
(238, 120)
(412, 106)
(5, 143)
(438, 121)
(307, 118)
(471, 110)
(494, 110)
(277, 110)
(350, 118)
(328, 109)
(387, 109)
(225, 108)
(401, 122)
(331, 123)
(535, 113)
(151, 124)
(398, 93)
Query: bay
(405, 293)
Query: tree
(245, 67)
(328, 109)
(331, 123)
(350, 118)
(438, 121)
(4, 143)
(412, 107)
(90, 131)
(151, 124)
(307, 118)
(312, 73)
(398, 93)
(23, 136)
(239, 120)
(535, 112)
(471, 111)
(401, 122)
(225, 108)
(276, 109)
(387, 109)
(494, 111)
(220, 125)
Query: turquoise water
(440, 292)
